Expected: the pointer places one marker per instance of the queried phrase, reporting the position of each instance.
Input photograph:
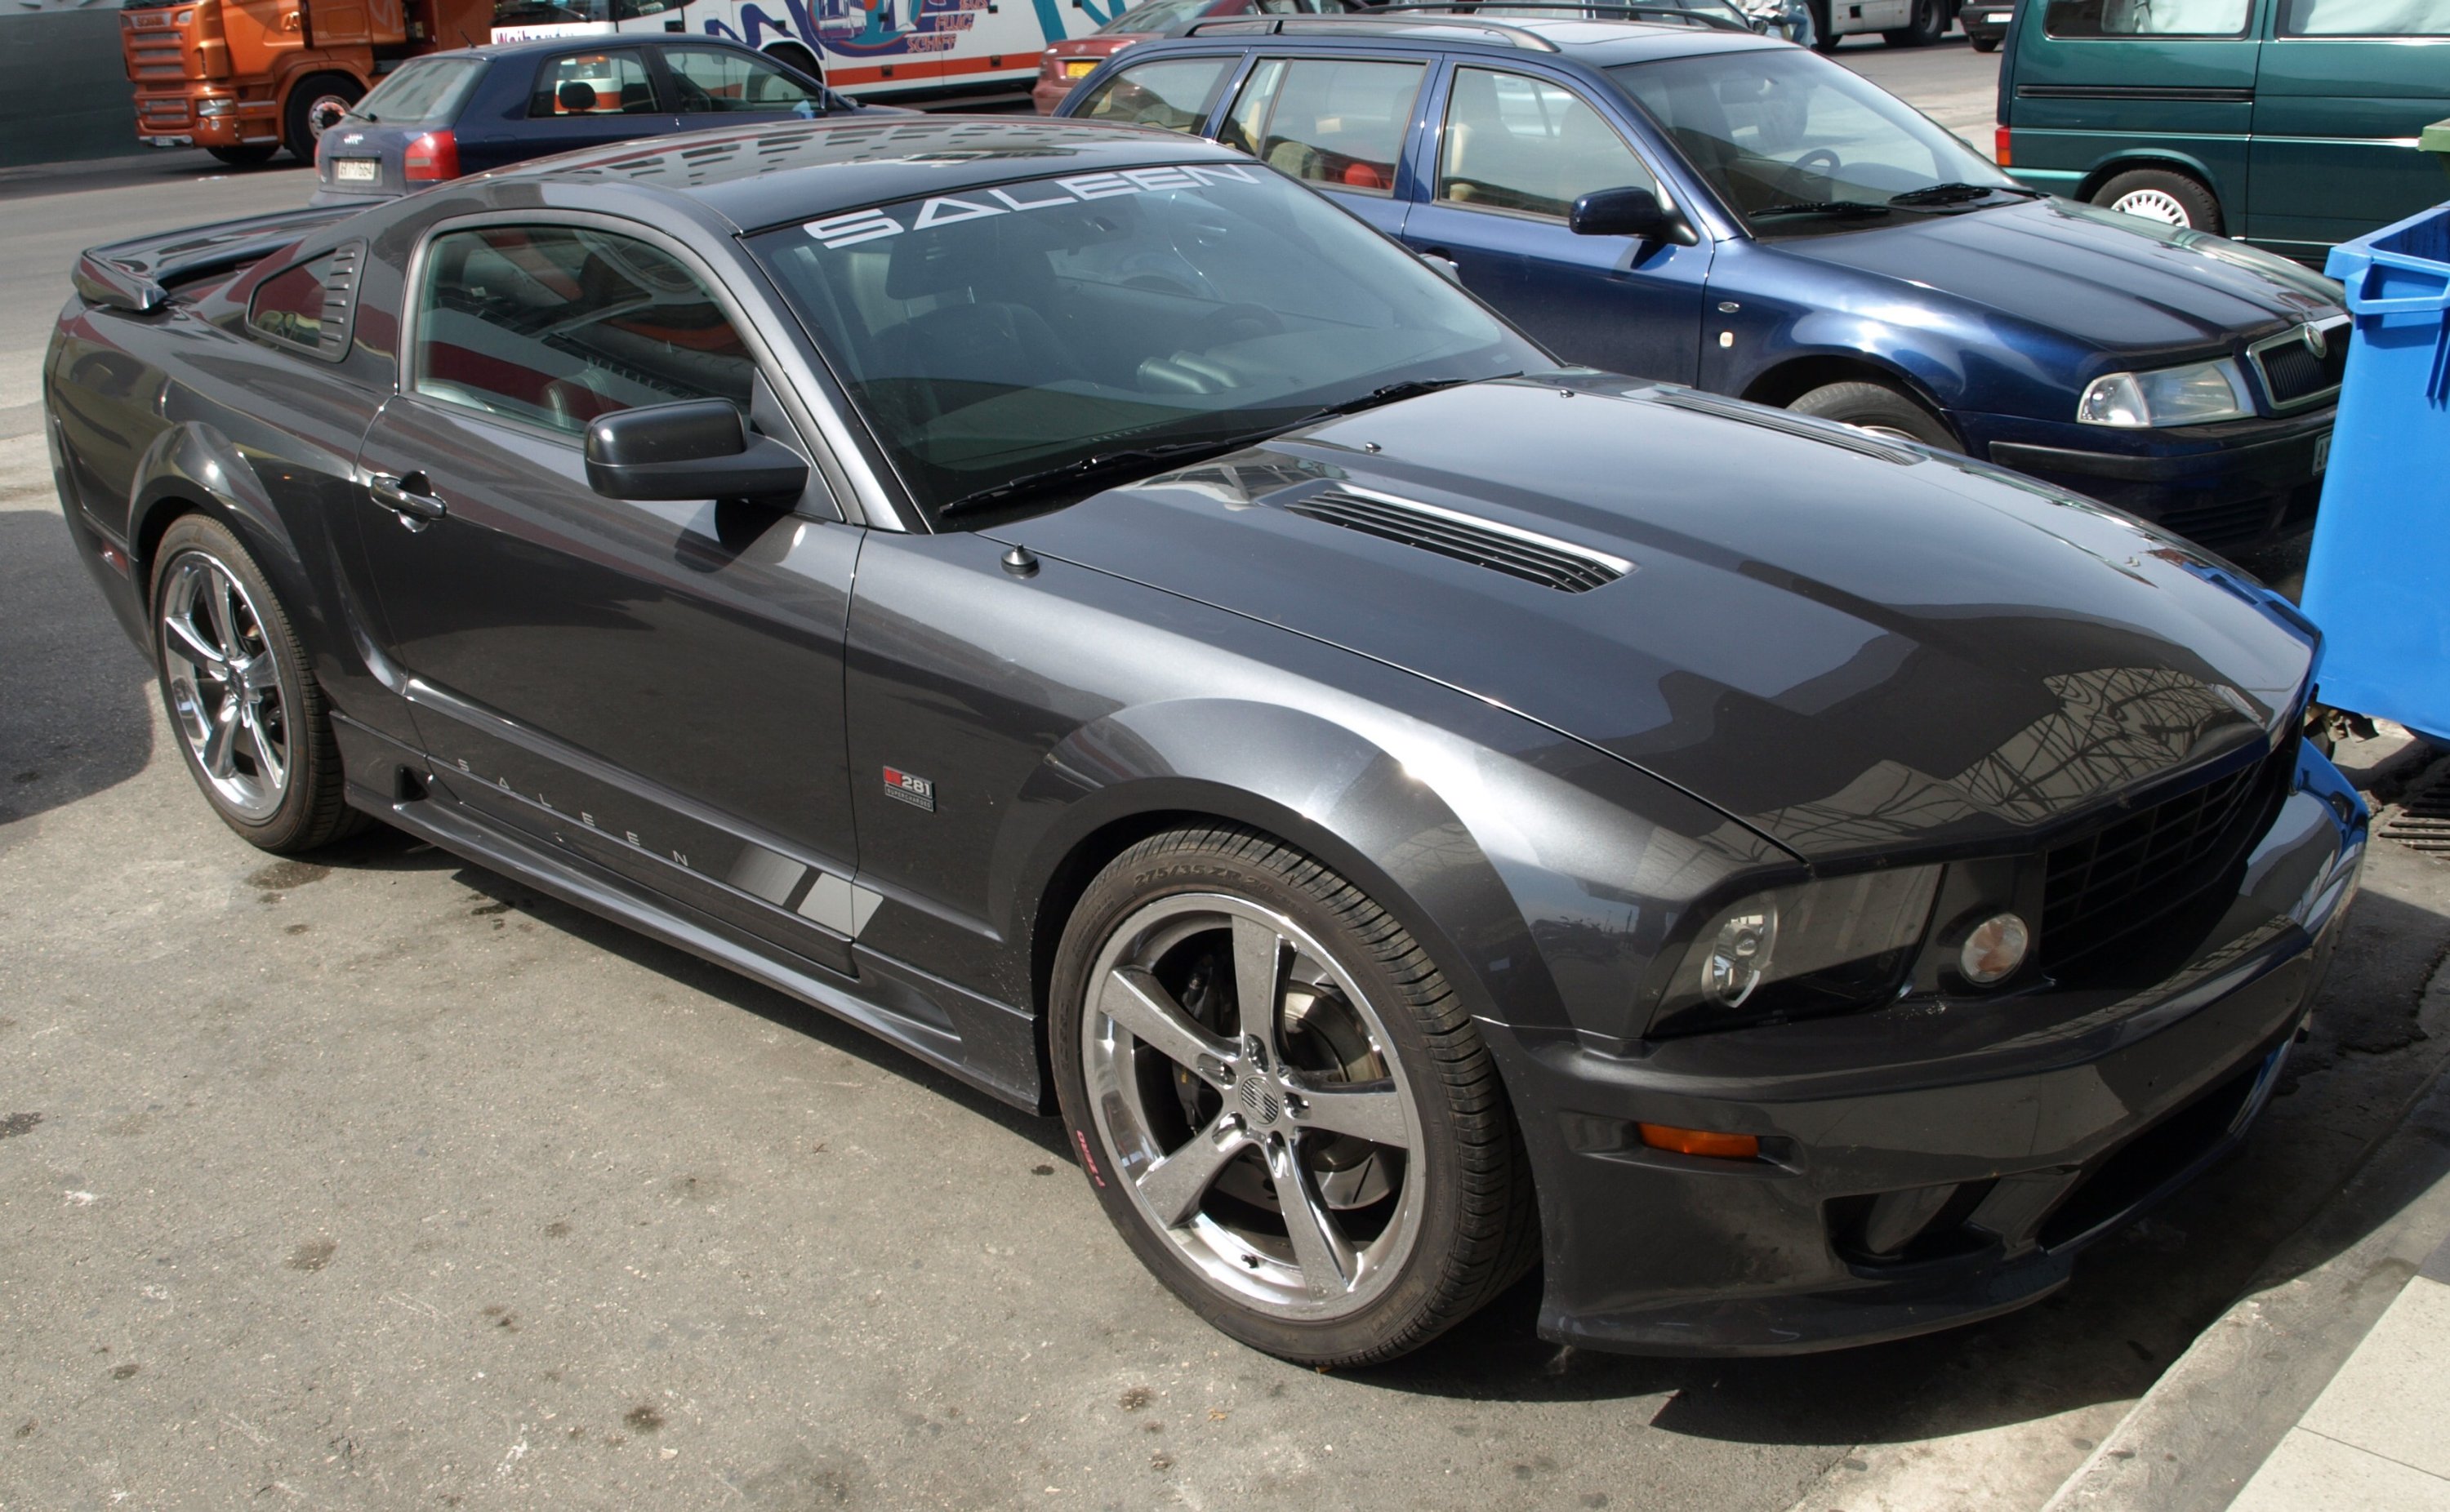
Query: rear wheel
(1983, 44)
(1878, 409)
(248, 715)
(1824, 36)
(1282, 1104)
(246, 156)
(1926, 25)
(315, 103)
(2164, 195)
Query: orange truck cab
(244, 78)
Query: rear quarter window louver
(1517, 553)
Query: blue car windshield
(998, 334)
(1799, 146)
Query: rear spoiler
(138, 275)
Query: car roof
(1598, 43)
(782, 173)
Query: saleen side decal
(868, 225)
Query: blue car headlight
(2193, 394)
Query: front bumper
(2229, 487)
(1921, 1167)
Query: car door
(578, 99)
(720, 86)
(656, 687)
(1512, 151)
(1338, 124)
(2345, 87)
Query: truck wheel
(1926, 25)
(314, 103)
(1880, 410)
(2164, 195)
(246, 156)
(1824, 34)
(1281, 1102)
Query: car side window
(309, 306)
(2364, 18)
(591, 83)
(1329, 122)
(556, 325)
(1172, 94)
(1525, 144)
(2146, 18)
(714, 80)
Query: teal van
(2291, 124)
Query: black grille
(2237, 522)
(2111, 882)
(1533, 558)
(2291, 373)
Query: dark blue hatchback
(1784, 231)
(448, 114)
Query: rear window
(425, 92)
(307, 305)
(2364, 18)
(2146, 18)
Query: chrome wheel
(1245, 1089)
(224, 685)
(2153, 205)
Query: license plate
(356, 171)
(1079, 68)
(2323, 452)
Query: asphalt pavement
(377, 1180)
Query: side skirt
(992, 1046)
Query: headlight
(1794, 952)
(2172, 396)
(213, 107)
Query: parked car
(437, 117)
(1357, 772)
(1068, 62)
(1792, 234)
(2289, 124)
(1986, 26)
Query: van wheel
(1880, 410)
(315, 103)
(1927, 25)
(2160, 194)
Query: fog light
(1995, 950)
(1700, 1142)
(1739, 955)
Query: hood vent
(1810, 427)
(1526, 554)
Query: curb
(2207, 1426)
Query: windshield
(1157, 15)
(425, 92)
(1783, 131)
(1003, 333)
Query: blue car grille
(2294, 374)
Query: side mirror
(1630, 212)
(694, 448)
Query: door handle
(408, 498)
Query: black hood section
(1850, 647)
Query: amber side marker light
(1700, 1142)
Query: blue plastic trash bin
(2378, 581)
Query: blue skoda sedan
(1735, 213)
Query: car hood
(2109, 281)
(1849, 645)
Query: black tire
(311, 106)
(1878, 408)
(310, 811)
(1983, 44)
(1476, 1229)
(1824, 41)
(2165, 195)
(246, 156)
(1926, 25)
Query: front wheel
(247, 712)
(1282, 1104)
(246, 156)
(315, 106)
(1877, 409)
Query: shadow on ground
(75, 695)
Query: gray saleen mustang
(1415, 810)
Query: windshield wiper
(1134, 459)
(1392, 393)
(1852, 209)
(1955, 193)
